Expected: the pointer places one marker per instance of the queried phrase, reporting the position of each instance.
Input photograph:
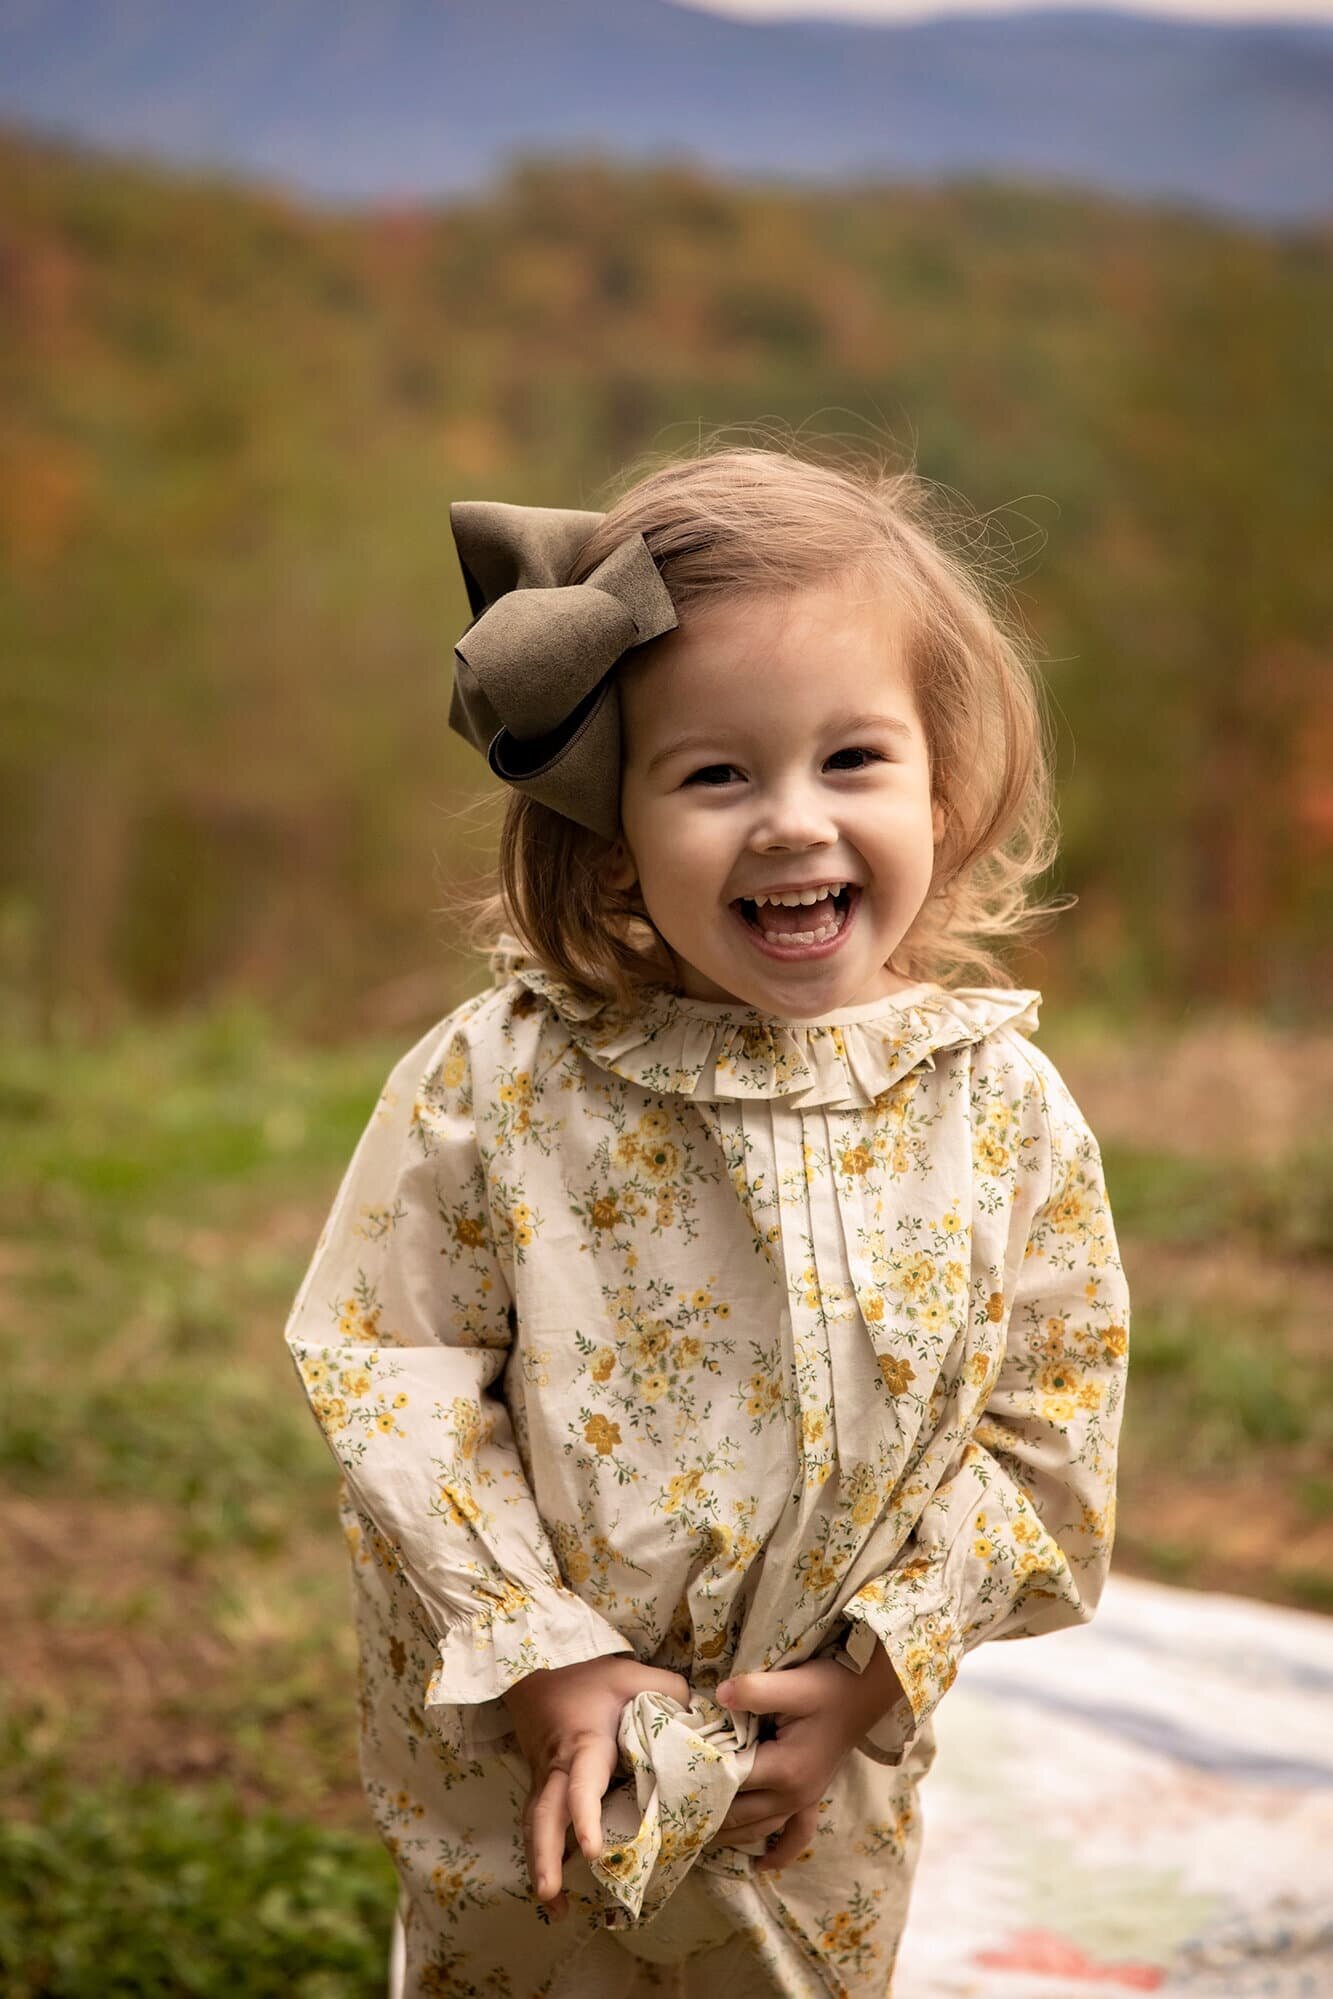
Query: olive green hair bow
(533, 672)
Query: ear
(619, 869)
(937, 820)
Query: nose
(790, 819)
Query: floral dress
(727, 1341)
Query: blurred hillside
(230, 430)
(385, 99)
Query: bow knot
(533, 686)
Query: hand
(567, 1720)
(823, 1710)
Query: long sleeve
(399, 1331)
(1016, 1538)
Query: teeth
(805, 899)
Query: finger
(768, 1769)
(545, 1836)
(589, 1775)
(750, 1834)
(749, 1807)
(764, 1693)
(797, 1835)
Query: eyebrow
(701, 739)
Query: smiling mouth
(801, 925)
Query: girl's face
(772, 744)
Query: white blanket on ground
(1142, 1804)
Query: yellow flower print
(820, 1577)
(453, 1069)
(603, 1363)
(654, 1387)
(605, 1213)
(982, 1548)
(857, 1159)
(447, 1885)
(653, 1125)
(384, 1423)
(722, 1311)
(951, 1221)
(469, 1231)
(683, 1486)
(934, 1315)
(1090, 1395)
(978, 1368)
(331, 1411)
(1058, 1378)
(626, 1150)
(955, 1277)
(688, 1350)
(898, 1159)
(865, 1507)
(915, 1275)
(602, 1434)
(1069, 1215)
(664, 1212)
(399, 1401)
(315, 1372)
(813, 1425)
(872, 1307)
(576, 1566)
(995, 1307)
(522, 1235)
(701, 1300)
(661, 1161)
(998, 1113)
(914, 1570)
(463, 1508)
(991, 1156)
(358, 1383)
(1026, 1529)
(1059, 1408)
(1115, 1339)
(1032, 1565)
(356, 1324)
(896, 1373)
(651, 1341)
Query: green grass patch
(1284, 1208)
(145, 1891)
(139, 1181)
(1211, 1393)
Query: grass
(179, 1796)
(140, 1889)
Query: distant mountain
(368, 99)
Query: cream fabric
(723, 1340)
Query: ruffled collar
(719, 1050)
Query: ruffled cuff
(480, 1660)
(895, 1731)
(919, 1628)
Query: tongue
(779, 921)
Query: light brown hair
(729, 520)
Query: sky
(916, 10)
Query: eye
(713, 774)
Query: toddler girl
(719, 1327)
